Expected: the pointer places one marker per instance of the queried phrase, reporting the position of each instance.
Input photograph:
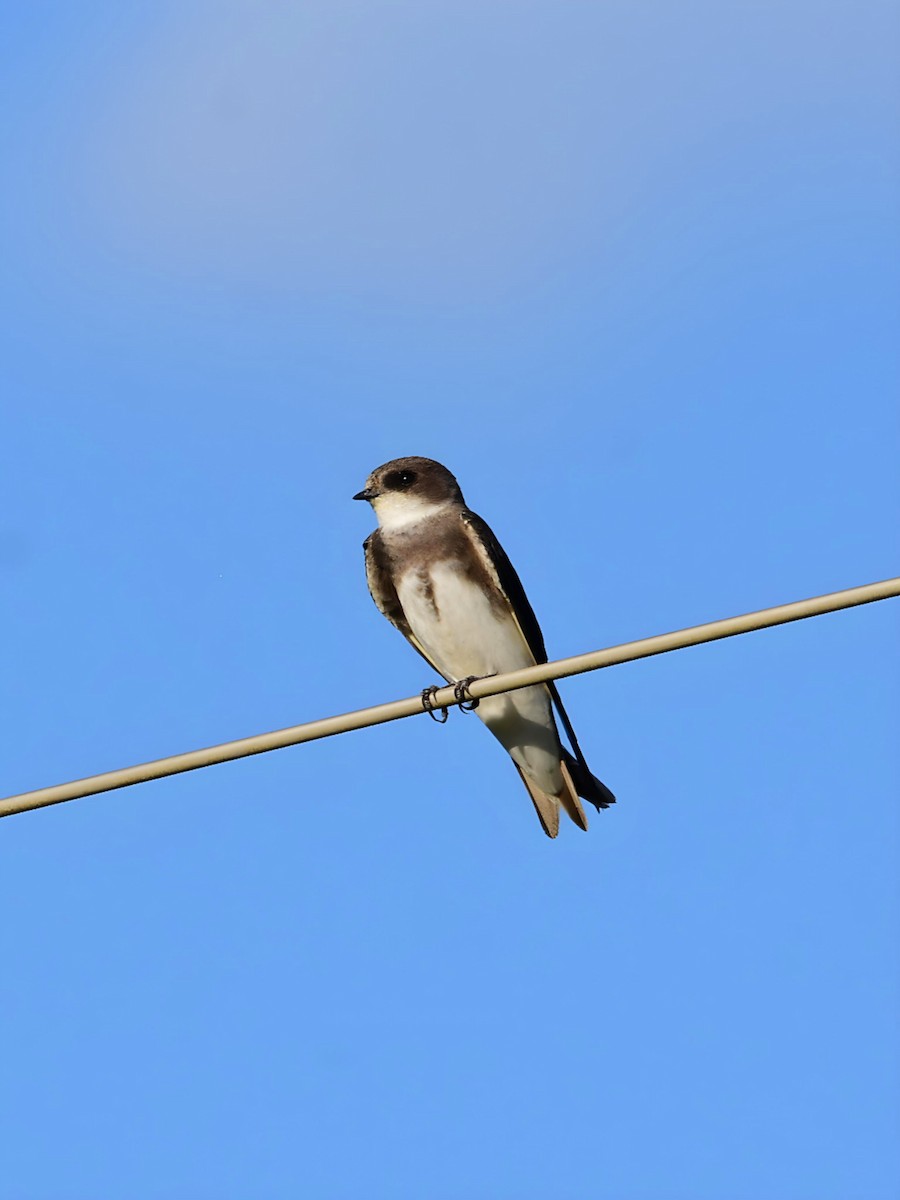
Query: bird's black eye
(400, 481)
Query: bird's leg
(428, 695)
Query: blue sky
(631, 271)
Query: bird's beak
(366, 494)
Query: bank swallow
(438, 574)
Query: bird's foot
(428, 695)
(467, 703)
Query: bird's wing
(501, 570)
(503, 575)
(383, 592)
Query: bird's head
(407, 490)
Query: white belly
(463, 634)
(458, 627)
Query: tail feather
(568, 798)
(546, 806)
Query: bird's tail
(547, 807)
(577, 781)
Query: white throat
(396, 511)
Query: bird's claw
(466, 702)
(428, 694)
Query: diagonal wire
(445, 697)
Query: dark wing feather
(383, 592)
(510, 583)
(587, 785)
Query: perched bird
(438, 574)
